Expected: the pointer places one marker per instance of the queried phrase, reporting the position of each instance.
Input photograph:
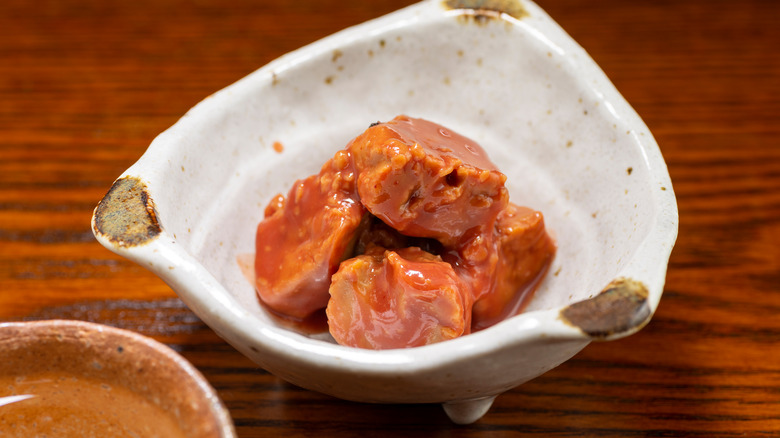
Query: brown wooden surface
(86, 85)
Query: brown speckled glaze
(126, 215)
(489, 8)
(83, 351)
(621, 307)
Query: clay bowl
(500, 72)
(73, 378)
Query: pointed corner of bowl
(620, 309)
(126, 216)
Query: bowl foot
(468, 411)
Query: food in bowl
(406, 238)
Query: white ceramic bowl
(505, 75)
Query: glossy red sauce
(424, 180)
(525, 252)
(406, 237)
(438, 141)
(316, 322)
(397, 299)
(304, 237)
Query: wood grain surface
(86, 85)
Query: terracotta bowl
(500, 72)
(73, 378)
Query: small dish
(500, 72)
(71, 378)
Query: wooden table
(86, 85)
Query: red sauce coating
(525, 254)
(407, 236)
(397, 299)
(424, 180)
(305, 236)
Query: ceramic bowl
(500, 72)
(74, 378)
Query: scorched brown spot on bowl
(482, 10)
(618, 309)
(126, 215)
